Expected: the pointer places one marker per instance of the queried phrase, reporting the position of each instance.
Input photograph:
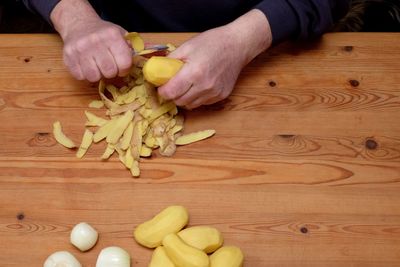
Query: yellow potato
(159, 70)
(160, 258)
(171, 220)
(60, 136)
(227, 256)
(194, 137)
(205, 238)
(184, 255)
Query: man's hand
(92, 47)
(214, 60)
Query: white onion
(61, 259)
(83, 236)
(113, 257)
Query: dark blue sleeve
(42, 7)
(302, 19)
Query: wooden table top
(304, 169)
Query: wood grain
(304, 169)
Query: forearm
(42, 7)
(301, 19)
(252, 33)
(69, 13)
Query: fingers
(101, 53)
(122, 56)
(178, 86)
(106, 64)
(202, 101)
(89, 69)
(73, 65)
(198, 96)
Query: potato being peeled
(159, 70)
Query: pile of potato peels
(138, 119)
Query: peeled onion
(83, 236)
(61, 259)
(113, 257)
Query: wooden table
(304, 169)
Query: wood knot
(272, 83)
(20, 216)
(371, 144)
(27, 59)
(304, 230)
(354, 83)
(286, 136)
(348, 48)
(42, 139)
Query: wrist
(252, 34)
(69, 13)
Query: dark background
(365, 15)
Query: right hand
(94, 48)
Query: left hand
(214, 60)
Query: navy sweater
(288, 18)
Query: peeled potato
(159, 70)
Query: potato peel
(136, 41)
(138, 119)
(194, 137)
(60, 137)
(108, 152)
(119, 127)
(87, 141)
(96, 104)
(103, 131)
(93, 120)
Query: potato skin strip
(161, 111)
(126, 137)
(103, 131)
(108, 152)
(93, 120)
(96, 104)
(194, 137)
(87, 141)
(119, 128)
(136, 41)
(60, 137)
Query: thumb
(177, 85)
